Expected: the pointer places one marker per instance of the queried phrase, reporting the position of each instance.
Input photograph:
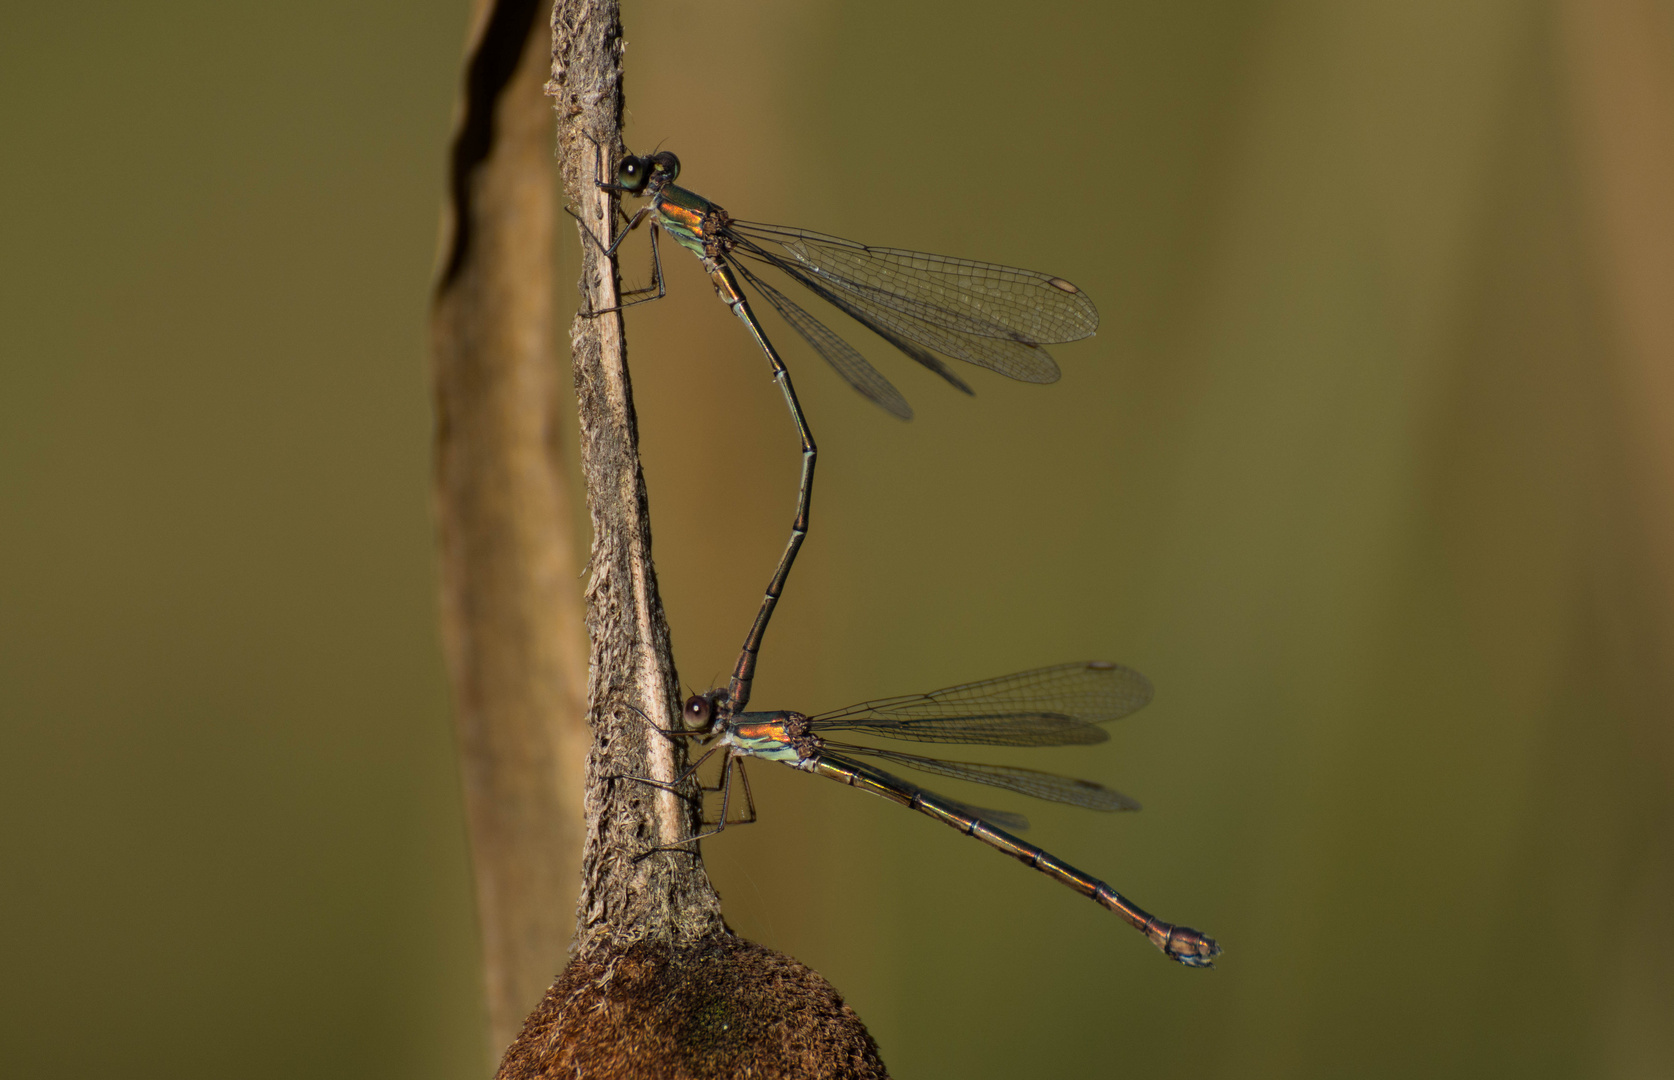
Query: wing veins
(1050, 787)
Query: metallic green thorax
(687, 216)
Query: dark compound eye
(632, 173)
(698, 711)
(666, 166)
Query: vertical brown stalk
(511, 610)
(658, 986)
(631, 679)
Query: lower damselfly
(1050, 706)
(997, 317)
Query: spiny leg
(679, 781)
(690, 773)
(725, 787)
(632, 223)
(656, 286)
(749, 799)
(734, 765)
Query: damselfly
(1051, 706)
(997, 317)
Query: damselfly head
(635, 173)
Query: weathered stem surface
(657, 985)
(511, 600)
(632, 682)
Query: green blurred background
(1365, 469)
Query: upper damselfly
(997, 317)
(1051, 706)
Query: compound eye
(632, 173)
(699, 711)
(667, 166)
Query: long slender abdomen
(1180, 943)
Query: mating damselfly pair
(994, 316)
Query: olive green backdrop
(1349, 472)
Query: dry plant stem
(510, 590)
(624, 898)
(657, 985)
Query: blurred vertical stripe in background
(1370, 469)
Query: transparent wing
(1031, 782)
(983, 299)
(891, 328)
(852, 366)
(842, 356)
(1016, 359)
(1005, 819)
(1050, 706)
(993, 316)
